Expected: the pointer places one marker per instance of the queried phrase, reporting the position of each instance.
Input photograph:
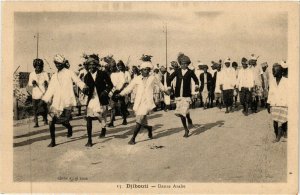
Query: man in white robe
(144, 102)
(60, 92)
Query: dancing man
(183, 93)
(143, 102)
(99, 88)
(61, 92)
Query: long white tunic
(143, 102)
(257, 72)
(118, 79)
(61, 90)
(245, 78)
(278, 94)
(227, 78)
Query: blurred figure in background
(205, 87)
(236, 90)
(245, 84)
(39, 80)
(265, 84)
(216, 84)
(134, 73)
(156, 93)
(120, 80)
(227, 85)
(166, 100)
(257, 73)
(193, 89)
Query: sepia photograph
(153, 96)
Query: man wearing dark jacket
(183, 90)
(98, 92)
(215, 88)
(166, 101)
(205, 87)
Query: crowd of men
(107, 87)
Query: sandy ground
(221, 148)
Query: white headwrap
(146, 65)
(284, 64)
(227, 60)
(253, 57)
(265, 64)
(163, 66)
(200, 64)
(59, 58)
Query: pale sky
(204, 36)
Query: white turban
(284, 64)
(265, 64)
(162, 67)
(59, 58)
(253, 57)
(146, 64)
(200, 64)
(227, 60)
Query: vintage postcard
(150, 97)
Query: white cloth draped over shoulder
(61, 91)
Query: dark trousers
(64, 119)
(254, 103)
(245, 99)
(212, 97)
(228, 97)
(245, 96)
(123, 107)
(39, 110)
(280, 131)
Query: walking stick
(16, 69)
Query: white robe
(143, 102)
(61, 91)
